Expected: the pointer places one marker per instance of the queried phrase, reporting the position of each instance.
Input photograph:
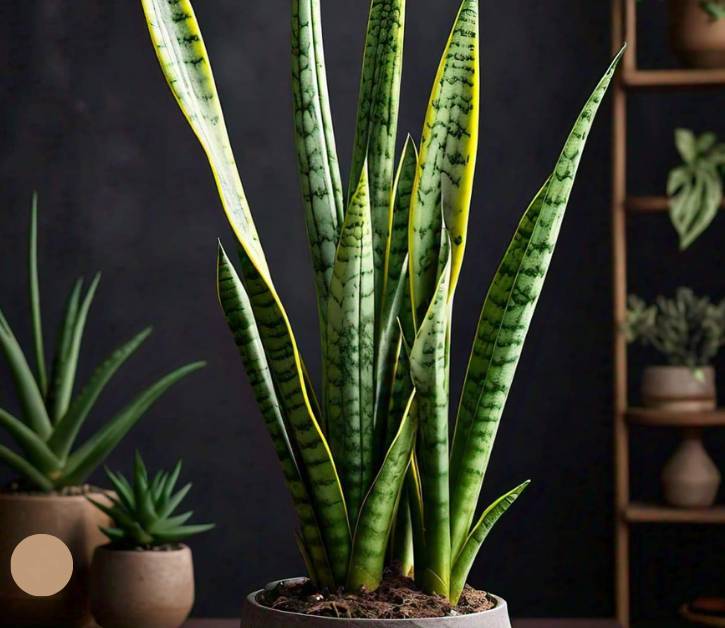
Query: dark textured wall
(88, 120)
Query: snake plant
(143, 510)
(51, 416)
(372, 469)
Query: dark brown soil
(396, 598)
(18, 487)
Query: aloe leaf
(447, 161)
(316, 154)
(25, 469)
(240, 318)
(182, 532)
(113, 534)
(171, 481)
(64, 371)
(350, 352)
(429, 371)
(170, 523)
(67, 428)
(35, 297)
(172, 503)
(285, 364)
(504, 321)
(31, 398)
(181, 52)
(86, 458)
(377, 121)
(35, 449)
(122, 488)
(374, 524)
(464, 561)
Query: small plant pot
(696, 38)
(678, 389)
(149, 588)
(74, 521)
(690, 478)
(255, 615)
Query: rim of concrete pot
(256, 615)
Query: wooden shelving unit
(627, 513)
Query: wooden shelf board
(661, 418)
(673, 78)
(647, 204)
(652, 513)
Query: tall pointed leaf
(34, 448)
(240, 318)
(25, 469)
(504, 322)
(349, 393)
(35, 297)
(377, 120)
(447, 161)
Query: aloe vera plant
(51, 416)
(371, 467)
(143, 510)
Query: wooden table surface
(517, 623)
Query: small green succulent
(143, 512)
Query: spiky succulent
(143, 511)
(372, 466)
(687, 330)
(51, 417)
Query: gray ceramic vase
(254, 615)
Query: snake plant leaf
(377, 121)
(285, 365)
(447, 160)
(374, 525)
(34, 290)
(181, 52)
(31, 399)
(25, 469)
(505, 319)
(66, 429)
(429, 371)
(64, 370)
(35, 449)
(400, 390)
(349, 389)
(316, 153)
(240, 318)
(464, 561)
(89, 455)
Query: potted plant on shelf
(695, 187)
(145, 575)
(49, 496)
(688, 331)
(697, 32)
(375, 478)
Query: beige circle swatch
(41, 565)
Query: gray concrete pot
(254, 615)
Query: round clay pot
(254, 615)
(74, 521)
(149, 588)
(696, 37)
(690, 479)
(676, 389)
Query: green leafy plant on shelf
(372, 469)
(51, 416)
(714, 8)
(687, 330)
(143, 510)
(695, 187)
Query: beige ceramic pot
(678, 389)
(696, 37)
(135, 588)
(690, 479)
(74, 521)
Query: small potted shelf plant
(144, 576)
(688, 331)
(386, 497)
(49, 495)
(697, 32)
(695, 187)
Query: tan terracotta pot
(74, 521)
(696, 38)
(690, 479)
(676, 389)
(153, 589)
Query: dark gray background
(88, 120)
